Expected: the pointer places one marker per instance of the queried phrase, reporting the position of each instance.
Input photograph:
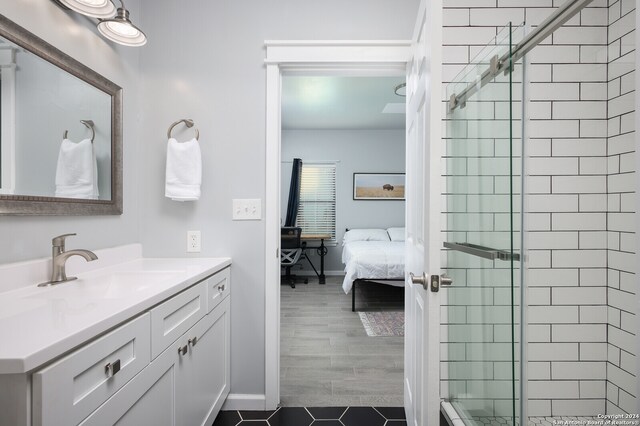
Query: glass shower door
(482, 198)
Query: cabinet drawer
(148, 399)
(218, 287)
(174, 317)
(69, 390)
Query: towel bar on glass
(187, 122)
(481, 251)
(90, 125)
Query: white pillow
(396, 234)
(365, 235)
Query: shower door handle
(481, 251)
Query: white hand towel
(184, 170)
(77, 170)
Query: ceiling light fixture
(401, 89)
(101, 9)
(121, 30)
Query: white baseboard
(243, 401)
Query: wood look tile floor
(327, 359)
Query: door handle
(420, 280)
(439, 280)
(434, 282)
(445, 280)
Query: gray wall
(30, 237)
(369, 151)
(206, 61)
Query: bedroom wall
(356, 151)
(206, 62)
(77, 36)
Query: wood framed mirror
(60, 131)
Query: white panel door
(422, 306)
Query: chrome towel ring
(187, 122)
(90, 125)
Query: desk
(321, 250)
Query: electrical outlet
(193, 242)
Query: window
(317, 211)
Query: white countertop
(39, 324)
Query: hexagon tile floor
(535, 421)
(318, 416)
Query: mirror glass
(40, 104)
(60, 131)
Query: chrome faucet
(60, 256)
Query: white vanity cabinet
(185, 385)
(168, 366)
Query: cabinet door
(148, 399)
(202, 380)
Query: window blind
(317, 211)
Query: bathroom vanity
(134, 342)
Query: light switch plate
(247, 209)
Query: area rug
(378, 324)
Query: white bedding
(373, 260)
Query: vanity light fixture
(114, 24)
(101, 9)
(120, 29)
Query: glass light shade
(101, 9)
(120, 30)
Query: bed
(372, 255)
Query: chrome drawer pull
(112, 368)
(221, 288)
(183, 350)
(193, 341)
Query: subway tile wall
(621, 312)
(580, 202)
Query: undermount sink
(117, 285)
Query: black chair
(291, 247)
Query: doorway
(304, 58)
(343, 139)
